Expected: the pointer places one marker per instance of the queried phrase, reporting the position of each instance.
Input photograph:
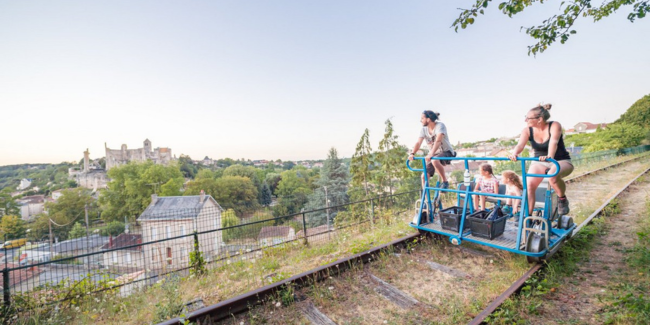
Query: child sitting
(487, 184)
(513, 187)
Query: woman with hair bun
(547, 141)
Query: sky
(291, 79)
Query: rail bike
(537, 236)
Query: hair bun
(437, 114)
(547, 106)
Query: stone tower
(86, 158)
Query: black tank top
(541, 149)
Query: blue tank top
(541, 149)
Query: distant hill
(45, 176)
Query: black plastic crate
(489, 229)
(450, 218)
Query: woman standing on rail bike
(546, 139)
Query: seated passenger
(487, 184)
(514, 188)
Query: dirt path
(577, 299)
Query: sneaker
(563, 206)
(444, 185)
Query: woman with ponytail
(546, 139)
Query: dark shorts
(431, 170)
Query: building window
(169, 255)
(114, 257)
(182, 230)
(127, 258)
(168, 230)
(153, 254)
(154, 236)
(182, 252)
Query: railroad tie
(475, 252)
(448, 270)
(393, 294)
(314, 315)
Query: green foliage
(390, 158)
(47, 177)
(293, 190)
(69, 208)
(77, 231)
(13, 227)
(187, 166)
(266, 195)
(197, 262)
(113, 228)
(333, 176)
(273, 179)
(129, 191)
(559, 27)
(360, 164)
(170, 303)
(638, 114)
(617, 136)
(8, 205)
(229, 219)
(231, 192)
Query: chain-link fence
(168, 241)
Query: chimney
(110, 241)
(154, 198)
(201, 196)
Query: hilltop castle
(123, 156)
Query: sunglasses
(530, 118)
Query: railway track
(444, 268)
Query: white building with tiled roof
(179, 216)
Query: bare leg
(532, 184)
(557, 182)
(440, 169)
(482, 202)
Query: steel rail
(246, 301)
(480, 318)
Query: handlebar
(557, 166)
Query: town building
(92, 176)
(275, 235)
(180, 216)
(30, 206)
(122, 257)
(585, 127)
(123, 156)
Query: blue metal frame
(555, 235)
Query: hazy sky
(290, 79)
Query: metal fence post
(304, 229)
(5, 286)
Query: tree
(12, 226)
(8, 205)
(68, 209)
(205, 174)
(335, 177)
(231, 192)
(360, 164)
(638, 113)
(187, 166)
(229, 219)
(266, 195)
(559, 26)
(113, 228)
(273, 179)
(77, 231)
(129, 191)
(391, 159)
(292, 191)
